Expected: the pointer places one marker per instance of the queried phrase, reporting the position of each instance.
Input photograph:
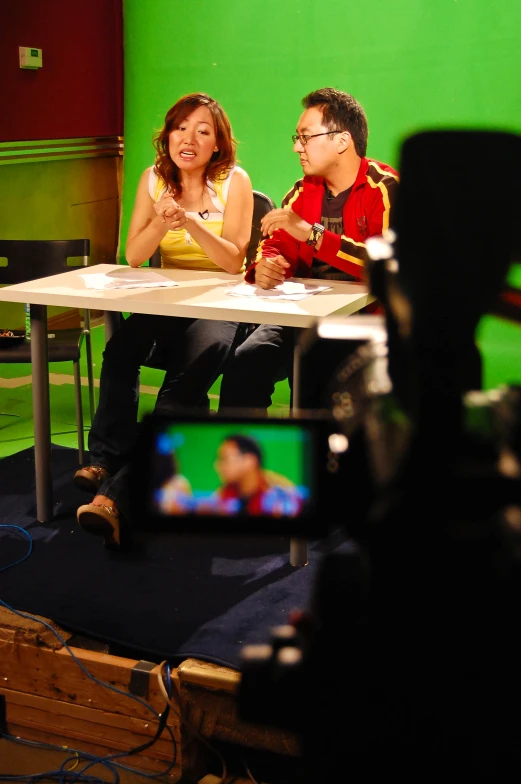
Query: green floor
(16, 423)
(499, 341)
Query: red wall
(79, 90)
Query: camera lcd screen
(214, 473)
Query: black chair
(31, 259)
(262, 204)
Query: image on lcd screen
(229, 469)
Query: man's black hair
(340, 111)
(246, 445)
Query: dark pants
(266, 356)
(253, 369)
(192, 352)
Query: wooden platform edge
(86, 699)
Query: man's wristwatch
(317, 231)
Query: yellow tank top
(178, 248)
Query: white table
(199, 295)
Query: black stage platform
(172, 597)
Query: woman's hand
(229, 250)
(150, 222)
(170, 212)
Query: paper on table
(127, 278)
(289, 289)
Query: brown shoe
(90, 478)
(101, 520)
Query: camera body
(209, 473)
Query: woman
(197, 206)
(173, 494)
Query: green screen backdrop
(412, 64)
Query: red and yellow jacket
(366, 214)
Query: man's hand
(270, 272)
(287, 220)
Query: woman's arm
(228, 251)
(147, 228)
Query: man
(319, 232)
(247, 487)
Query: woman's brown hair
(221, 161)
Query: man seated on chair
(320, 232)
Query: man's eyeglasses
(303, 139)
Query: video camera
(195, 461)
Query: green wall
(413, 64)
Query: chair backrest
(155, 259)
(31, 259)
(262, 204)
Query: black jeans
(193, 353)
(253, 369)
(266, 356)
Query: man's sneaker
(90, 478)
(101, 520)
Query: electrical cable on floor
(181, 716)
(105, 760)
(108, 759)
(53, 775)
(21, 530)
(248, 771)
(76, 762)
(79, 755)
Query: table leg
(41, 413)
(298, 548)
(298, 551)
